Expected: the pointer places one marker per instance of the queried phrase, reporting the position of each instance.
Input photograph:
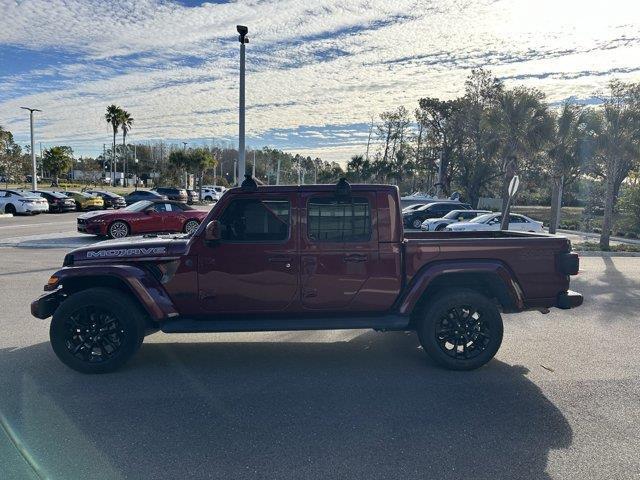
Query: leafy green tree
(618, 135)
(524, 126)
(57, 160)
(199, 160)
(568, 152)
(10, 153)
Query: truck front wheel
(461, 329)
(97, 330)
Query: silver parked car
(439, 224)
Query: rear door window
(330, 220)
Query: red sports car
(145, 216)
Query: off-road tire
(130, 328)
(439, 329)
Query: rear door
(338, 249)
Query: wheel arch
(490, 278)
(134, 281)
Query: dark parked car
(299, 258)
(177, 194)
(138, 195)
(193, 196)
(58, 202)
(145, 216)
(414, 218)
(111, 200)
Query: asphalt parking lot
(560, 400)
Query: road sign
(513, 185)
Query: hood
(467, 225)
(132, 249)
(92, 215)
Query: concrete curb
(607, 254)
(630, 241)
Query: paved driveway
(560, 400)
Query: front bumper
(92, 228)
(569, 299)
(44, 306)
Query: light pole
(34, 173)
(242, 38)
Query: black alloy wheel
(97, 330)
(461, 329)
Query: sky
(316, 71)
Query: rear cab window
(333, 220)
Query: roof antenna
(343, 189)
(249, 184)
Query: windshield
(482, 218)
(453, 214)
(138, 206)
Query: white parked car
(212, 193)
(439, 224)
(22, 201)
(491, 221)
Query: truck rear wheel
(97, 330)
(461, 329)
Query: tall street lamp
(242, 38)
(34, 177)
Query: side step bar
(195, 325)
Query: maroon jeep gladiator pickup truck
(304, 258)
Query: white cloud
(329, 63)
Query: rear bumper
(569, 299)
(44, 306)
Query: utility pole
(254, 164)
(366, 157)
(186, 174)
(41, 165)
(440, 183)
(242, 38)
(34, 170)
(235, 172)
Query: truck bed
(530, 258)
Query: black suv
(414, 218)
(177, 194)
(138, 195)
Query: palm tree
(567, 153)
(113, 117)
(126, 123)
(524, 126)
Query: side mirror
(149, 210)
(213, 232)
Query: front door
(338, 249)
(254, 267)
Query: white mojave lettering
(126, 252)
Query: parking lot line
(37, 224)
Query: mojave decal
(126, 252)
